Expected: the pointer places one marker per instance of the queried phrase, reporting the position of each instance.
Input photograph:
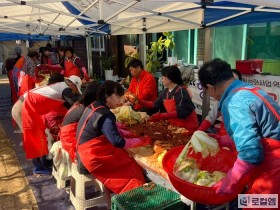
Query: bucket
(108, 74)
(249, 66)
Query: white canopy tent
(50, 17)
(152, 16)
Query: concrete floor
(47, 195)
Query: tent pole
(89, 55)
(100, 54)
(144, 49)
(207, 56)
(143, 43)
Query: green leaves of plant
(155, 53)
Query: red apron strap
(270, 107)
(71, 108)
(90, 114)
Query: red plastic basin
(223, 161)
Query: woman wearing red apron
(100, 146)
(38, 102)
(252, 120)
(174, 102)
(70, 122)
(27, 76)
(73, 65)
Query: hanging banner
(270, 84)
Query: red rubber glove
(120, 125)
(163, 116)
(147, 104)
(228, 185)
(126, 133)
(204, 125)
(86, 77)
(137, 142)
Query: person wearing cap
(40, 101)
(73, 64)
(174, 102)
(143, 84)
(17, 67)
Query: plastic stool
(60, 183)
(86, 191)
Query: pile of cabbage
(186, 167)
(126, 115)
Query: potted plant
(107, 65)
(155, 53)
(129, 57)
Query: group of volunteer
(94, 140)
(25, 71)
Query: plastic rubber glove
(120, 125)
(137, 142)
(126, 133)
(163, 116)
(228, 185)
(224, 141)
(204, 125)
(86, 77)
(147, 104)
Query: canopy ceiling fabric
(38, 19)
(132, 16)
(80, 17)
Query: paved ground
(18, 187)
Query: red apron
(267, 174)
(68, 137)
(34, 137)
(191, 122)
(26, 84)
(71, 69)
(110, 165)
(222, 130)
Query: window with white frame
(98, 43)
